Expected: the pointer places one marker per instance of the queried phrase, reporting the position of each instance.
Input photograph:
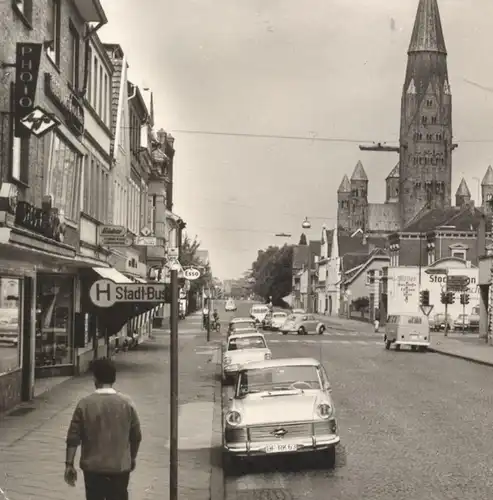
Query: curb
(217, 476)
(460, 356)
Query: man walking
(106, 426)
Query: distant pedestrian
(377, 320)
(106, 426)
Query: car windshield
(243, 324)
(236, 344)
(279, 315)
(278, 378)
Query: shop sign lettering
(105, 293)
(27, 60)
(68, 104)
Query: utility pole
(173, 367)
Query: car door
(312, 322)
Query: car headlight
(325, 410)
(227, 360)
(268, 355)
(233, 418)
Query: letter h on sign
(101, 291)
(27, 60)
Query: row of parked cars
(279, 406)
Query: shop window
(63, 177)
(10, 323)
(54, 299)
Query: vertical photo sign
(27, 61)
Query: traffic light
(450, 298)
(464, 299)
(443, 298)
(425, 298)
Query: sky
(311, 69)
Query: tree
(272, 273)
(303, 239)
(189, 258)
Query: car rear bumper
(412, 342)
(287, 446)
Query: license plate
(280, 448)
(413, 336)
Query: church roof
(465, 218)
(488, 177)
(463, 190)
(394, 173)
(359, 173)
(345, 186)
(427, 33)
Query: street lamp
(306, 224)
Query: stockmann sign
(105, 293)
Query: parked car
(278, 319)
(437, 322)
(280, 407)
(242, 324)
(474, 319)
(241, 349)
(258, 313)
(230, 305)
(462, 323)
(302, 324)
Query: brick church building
(418, 208)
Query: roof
(427, 35)
(394, 173)
(377, 254)
(345, 186)
(356, 244)
(465, 218)
(274, 363)
(383, 217)
(245, 335)
(359, 173)
(241, 320)
(488, 177)
(463, 190)
(300, 256)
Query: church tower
(359, 198)
(343, 203)
(425, 157)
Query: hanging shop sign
(69, 105)
(27, 60)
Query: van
(407, 329)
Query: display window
(10, 323)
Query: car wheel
(422, 348)
(413, 348)
(387, 343)
(331, 457)
(301, 331)
(321, 330)
(284, 333)
(397, 347)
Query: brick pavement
(32, 446)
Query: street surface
(413, 426)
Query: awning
(110, 273)
(135, 279)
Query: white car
(230, 305)
(243, 348)
(278, 319)
(258, 313)
(280, 407)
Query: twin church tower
(423, 176)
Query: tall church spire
(425, 159)
(427, 32)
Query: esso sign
(191, 274)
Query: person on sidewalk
(205, 316)
(377, 320)
(106, 426)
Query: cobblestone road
(413, 426)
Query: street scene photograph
(246, 250)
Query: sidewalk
(32, 438)
(467, 347)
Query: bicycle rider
(205, 315)
(215, 317)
